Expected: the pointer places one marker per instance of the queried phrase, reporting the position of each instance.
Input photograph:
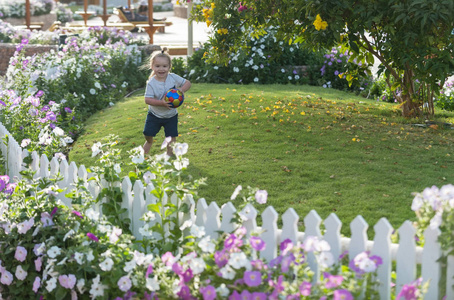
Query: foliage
(64, 13)
(446, 98)
(400, 35)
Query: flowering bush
(10, 34)
(37, 127)
(446, 98)
(52, 251)
(434, 208)
(264, 60)
(16, 8)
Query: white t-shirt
(157, 89)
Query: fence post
(406, 256)
(382, 248)
(431, 269)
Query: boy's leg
(148, 143)
(170, 146)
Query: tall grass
(309, 147)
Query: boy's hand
(166, 104)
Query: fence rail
(406, 255)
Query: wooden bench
(156, 23)
(33, 26)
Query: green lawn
(309, 147)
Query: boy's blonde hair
(154, 55)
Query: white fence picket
(406, 256)
(358, 228)
(431, 269)
(332, 234)
(270, 233)
(201, 216)
(228, 212)
(213, 223)
(382, 248)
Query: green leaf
(154, 208)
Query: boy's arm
(156, 102)
(186, 86)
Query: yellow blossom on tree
(319, 23)
(223, 31)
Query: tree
(412, 39)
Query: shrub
(446, 98)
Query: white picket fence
(406, 255)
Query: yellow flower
(223, 31)
(319, 23)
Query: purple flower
(46, 219)
(286, 246)
(50, 115)
(20, 254)
(149, 271)
(185, 293)
(187, 275)
(342, 295)
(258, 296)
(221, 258)
(208, 293)
(252, 278)
(235, 296)
(232, 242)
(257, 243)
(36, 284)
(78, 214)
(39, 93)
(68, 110)
(286, 262)
(54, 211)
(305, 288)
(92, 237)
(4, 180)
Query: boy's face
(161, 67)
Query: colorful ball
(175, 97)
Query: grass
(309, 147)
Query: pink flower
(36, 284)
(21, 253)
(67, 281)
(46, 219)
(167, 258)
(305, 288)
(258, 296)
(78, 214)
(38, 264)
(242, 7)
(149, 271)
(333, 280)
(252, 278)
(342, 295)
(261, 196)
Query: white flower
(111, 103)
(166, 142)
(58, 131)
(239, 260)
(53, 252)
(129, 266)
(223, 291)
(236, 69)
(137, 155)
(290, 78)
(78, 257)
(197, 231)
(97, 85)
(117, 168)
(236, 192)
(283, 70)
(21, 274)
(255, 67)
(114, 235)
(436, 221)
(261, 196)
(95, 149)
(148, 177)
(81, 285)
(181, 149)
(107, 264)
(51, 284)
(97, 289)
(197, 265)
(153, 284)
(417, 203)
(325, 259)
(186, 224)
(256, 79)
(68, 234)
(207, 245)
(227, 272)
(145, 231)
(367, 265)
(93, 91)
(92, 214)
(90, 255)
(297, 77)
(181, 164)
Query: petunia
(36, 284)
(21, 274)
(257, 243)
(92, 237)
(208, 293)
(343, 295)
(124, 283)
(261, 196)
(6, 278)
(20, 254)
(252, 278)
